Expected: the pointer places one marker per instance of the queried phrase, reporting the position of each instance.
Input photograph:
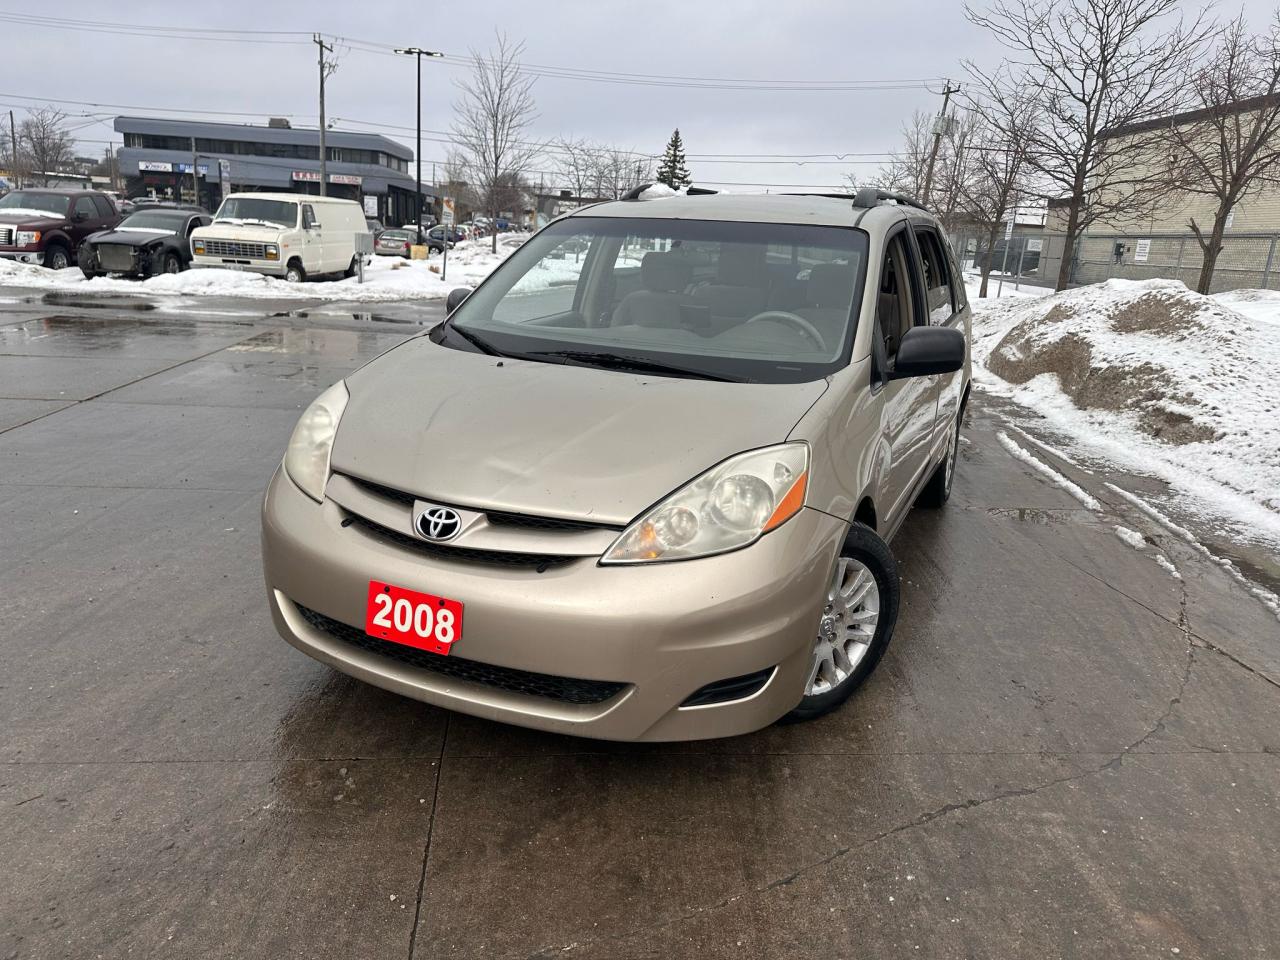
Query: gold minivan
(639, 485)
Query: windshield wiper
(480, 344)
(618, 361)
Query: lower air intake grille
(735, 688)
(561, 689)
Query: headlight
(307, 458)
(272, 251)
(27, 237)
(197, 246)
(729, 506)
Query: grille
(235, 248)
(496, 518)
(500, 558)
(6, 236)
(545, 685)
(735, 688)
(115, 256)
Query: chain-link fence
(1247, 260)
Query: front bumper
(663, 631)
(270, 269)
(24, 256)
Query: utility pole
(419, 53)
(940, 127)
(324, 72)
(195, 174)
(13, 157)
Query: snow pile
(1165, 380)
(387, 278)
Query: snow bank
(1165, 380)
(387, 278)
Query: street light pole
(419, 53)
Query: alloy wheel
(847, 627)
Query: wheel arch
(866, 513)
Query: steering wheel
(796, 322)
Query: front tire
(171, 263)
(57, 257)
(856, 624)
(293, 273)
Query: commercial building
(157, 155)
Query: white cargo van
(290, 235)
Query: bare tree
(1229, 146)
(1099, 65)
(1008, 111)
(904, 171)
(575, 162)
(614, 172)
(491, 125)
(44, 140)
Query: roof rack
(635, 192)
(871, 196)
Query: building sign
(371, 205)
(1034, 245)
(156, 166)
(447, 211)
(224, 176)
(1141, 251)
(186, 168)
(313, 176)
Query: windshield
(154, 220)
(763, 302)
(282, 213)
(31, 201)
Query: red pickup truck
(46, 226)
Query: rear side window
(938, 279)
(84, 205)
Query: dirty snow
(1153, 377)
(1132, 537)
(387, 278)
(1021, 453)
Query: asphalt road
(1066, 753)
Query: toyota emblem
(439, 523)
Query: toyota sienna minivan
(639, 485)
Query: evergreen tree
(672, 170)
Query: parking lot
(1067, 752)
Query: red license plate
(415, 619)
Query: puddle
(1031, 514)
(384, 318)
(97, 301)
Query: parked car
(288, 235)
(394, 243)
(47, 226)
(438, 233)
(646, 499)
(155, 239)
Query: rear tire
(294, 273)
(938, 490)
(57, 257)
(351, 269)
(856, 626)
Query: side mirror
(926, 351)
(455, 298)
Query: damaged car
(153, 240)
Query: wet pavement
(1067, 752)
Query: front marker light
(307, 458)
(730, 506)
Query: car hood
(544, 438)
(33, 220)
(240, 231)
(131, 238)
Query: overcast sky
(790, 40)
